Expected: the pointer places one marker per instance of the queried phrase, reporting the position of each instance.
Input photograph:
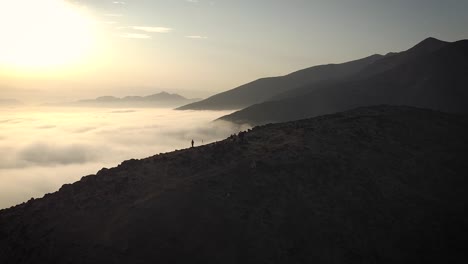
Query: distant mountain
(264, 89)
(9, 102)
(162, 99)
(373, 185)
(433, 74)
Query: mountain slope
(385, 63)
(263, 89)
(437, 80)
(373, 185)
(392, 60)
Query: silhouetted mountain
(432, 74)
(264, 89)
(373, 185)
(392, 60)
(162, 99)
(9, 102)
(389, 61)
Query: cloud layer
(196, 37)
(134, 35)
(152, 29)
(47, 147)
(146, 29)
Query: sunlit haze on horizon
(53, 50)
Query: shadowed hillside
(372, 185)
(432, 75)
(264, 89)
(383, 64)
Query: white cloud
(134, 35)
(113, 15)
(196, 37)
(192, 1)
(119, 2)
(45, 153)
(152, 29)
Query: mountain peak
(432, 39)
(165, 96)
(429, 45)
(106, 98)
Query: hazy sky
(198, 47)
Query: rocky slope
(372, 185)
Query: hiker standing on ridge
(192, 143)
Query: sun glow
(43, 35)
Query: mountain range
(368, 165)
(162, 99)
(433, 74)
(381, 184)
(264, 89)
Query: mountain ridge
(163, 99)
(264, 88)
(434, 79)
(274, 88)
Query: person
(253, 164)
(192, 143)
(241, 136)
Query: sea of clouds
(43, 148)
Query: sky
(73, 49)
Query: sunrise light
(46, 34)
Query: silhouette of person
(192, 143)
(241, 136)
